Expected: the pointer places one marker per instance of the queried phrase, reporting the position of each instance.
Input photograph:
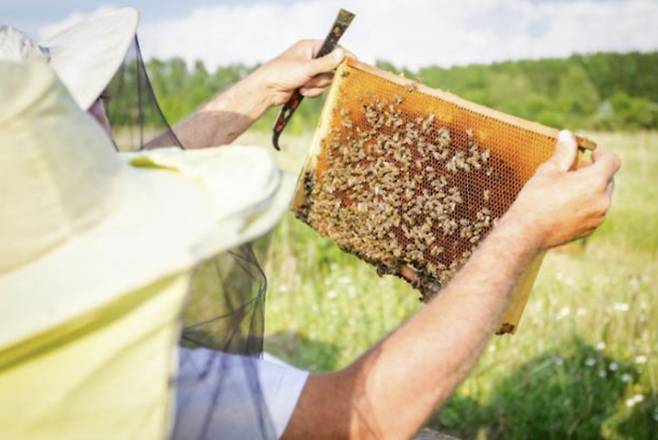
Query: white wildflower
(344, 280)
(563, 313)
(640, 359)
(600, 346)
(590, 361)
(634, 283)
(581, 311)
(614, 366)
(626, 377)
(632, 401)
(332, 294)
(602, 373)
(557, 360)
(620, 307)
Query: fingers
(311, 92)
(605, 165)
(316, 85)
(610, 188)
(315, 46)
(605, 156)
(326, 63)
(348, 53)
(565, 153)
(320, 81)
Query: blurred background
(584, 361)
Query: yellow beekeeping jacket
(107, 374)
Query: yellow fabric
(106, 375)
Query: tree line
(602, 91)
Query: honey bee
(411, 87)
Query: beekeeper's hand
(296, 68)
(557, 204)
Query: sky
(411, 33)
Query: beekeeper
(96, 251)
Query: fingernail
(339, 54)
(564, 136)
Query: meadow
(583, 363)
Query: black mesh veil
(133, 110)
(222, 337)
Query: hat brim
(88, 54)
(171, 218)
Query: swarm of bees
(402, 190)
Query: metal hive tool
(411, 179)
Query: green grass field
(584, 361)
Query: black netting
(234, 283)
(132, 108)
(218, 387)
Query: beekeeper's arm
(229, 114)
(393, 388)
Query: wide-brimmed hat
(85, 55)
(80, 223)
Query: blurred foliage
(599, 91)
(603, 91)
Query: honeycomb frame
(469, 160)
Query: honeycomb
(411, 179)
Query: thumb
(326, 63)
(565, 151)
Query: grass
(583, 363)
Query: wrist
(522, 229)
(258, 85)
(248, 97)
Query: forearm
(394, 387)
(225, 117)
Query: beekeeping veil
(224, 284)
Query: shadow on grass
(571, 392)
(303, 352)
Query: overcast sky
(412, 32)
